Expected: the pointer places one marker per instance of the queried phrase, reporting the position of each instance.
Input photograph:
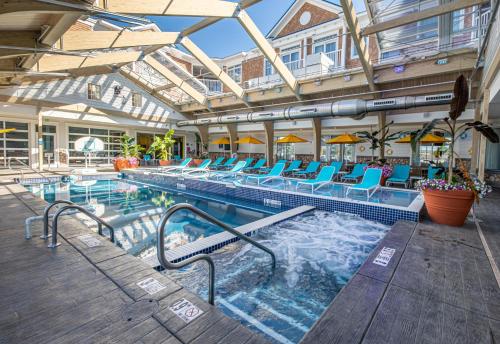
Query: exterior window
(268, 68)
(111, 139)
(93, 91)
(14, 144)
(354, 51)
(291, 59)
(235, 72)
(458, 20)
(136, 99)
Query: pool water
(135, 210)
(317, 253)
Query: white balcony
(311, 66)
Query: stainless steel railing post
(99, 221)
(211, 266)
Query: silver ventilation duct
(355, 108)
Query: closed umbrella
(4, 131)
(344, 139)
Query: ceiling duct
(355, 108)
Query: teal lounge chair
(217, 163)
(311, 168)
(293, 167)
(260, 163)
(228, 164)
(275, 173)
(370, 182)
(400, 175)
(338, 167)
(357, 172)
(267, 169)
(200, 168)
(235, 171)
(324, 177)
(178, 168)
(248, 161)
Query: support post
(233, 136)
(40, 138)
(316, 123)
(203, 130)
(381, 123)
(476, 137)
(482, 146)
(269, 129)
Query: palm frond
(485, 130)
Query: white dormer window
(354, 51)
(136, 99)
(93, 91)
(268, 68)
(235, 72)
(325, 45)
(291, 57)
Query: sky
(227, 37)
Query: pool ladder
(211, 266)
(76, 208)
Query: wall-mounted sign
(399, 69)
(442, 61)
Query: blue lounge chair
(324, 177)
(293, 167)
(200, 168)
(370, 182)
(260, 163)
(248, 161)
(357, 172)
(400, 175)
(235, 171)
(275, 173)
(177, 157)
(267, 169)
(177, 168)
(228, 164)
(311, 168)
(338, 167)
(217, 163)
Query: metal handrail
(21, 170)
(100, 223)
(168, 265)
(46, 211)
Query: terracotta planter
(120, 164)
(197, 162)
(165, 162)
(448, 207)
(134, 164)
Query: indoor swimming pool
(135, 210)
(317, 253)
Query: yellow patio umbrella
(4, 131)
(291, 139)
(344, 139)
(426, 139)
(221, 141)
(249, 140)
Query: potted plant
(161, 147)
(379, 139)
(448, 201)
(129, 156)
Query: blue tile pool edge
(387, 214)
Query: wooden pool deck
(79, 294)
(438, 287)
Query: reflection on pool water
(317, 253)
(134, 211)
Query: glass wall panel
(98, 158)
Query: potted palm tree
(448, 201)
(130, 153)
(162, 146)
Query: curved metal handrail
(100, 223)
(46, 212)
(168, 265)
